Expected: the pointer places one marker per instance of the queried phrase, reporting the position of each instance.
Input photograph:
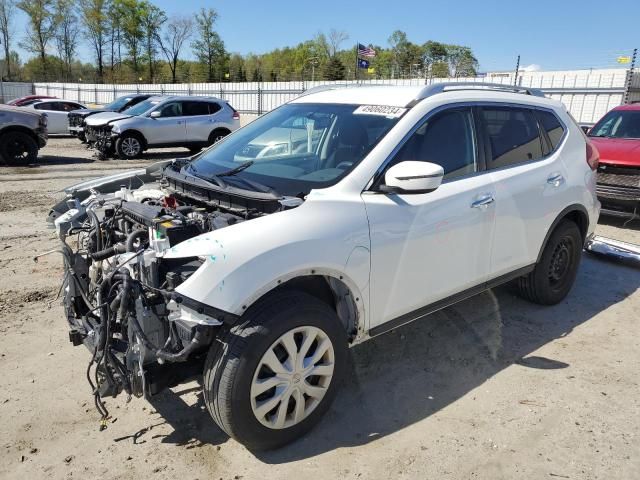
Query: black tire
(233, 361)
(82, 137)
(552, 278)
(18, 148)
(217, 135)
(129, 146)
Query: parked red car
(23, 101)
(617, 138)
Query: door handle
(483, 202)
(555, 179)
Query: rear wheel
(269, 380)
(129, 146)
(18, 148)
(552, 278)
(217, 135)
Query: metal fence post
(259, 100)
(78, 97)
(114, 92)
(95, 95)
(629, 82)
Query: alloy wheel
(130, 146)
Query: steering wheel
(344, 165)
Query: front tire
(18, 148)
(129, 146)
(554, 275)
(270, 379)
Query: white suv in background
(163, 121)
(336, 217)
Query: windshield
(142, 107)
(298, 147)
(118, 103)
(618, 124)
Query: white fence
(588, 94)
(11, 90)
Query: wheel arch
(137, 133)
(19, 128)
(220, 130)
(576, 213)
(333, 288)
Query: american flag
(365, 51)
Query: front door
(427, 247)
(169, 127)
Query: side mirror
(155, 114)
(412, 177)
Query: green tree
(130, 14)
(334, 69)
(95, 20)
(152, 20)
(7, 14)
(66, 34)
(42, 28)
(208, 46)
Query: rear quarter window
(550, 124)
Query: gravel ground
(491, 388)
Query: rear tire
(18, 148)
(217, 135)
(129, 146)
(286, 331)
(554, 275)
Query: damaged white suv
(336, 217)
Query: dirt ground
(492, 388)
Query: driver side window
(445, 139)
(173, 109)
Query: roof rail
(334, 86)
(436, 88)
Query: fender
(576, 207)
(242, 262)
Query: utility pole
(515, 78)
(629, 84)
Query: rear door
(529, 179)
(200, 117)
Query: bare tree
(335, 39)
(66, 34)
(176, 33)
(7, 12)
(152, 20)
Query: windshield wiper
(238, 169)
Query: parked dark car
(77, 118)
(22, 134)
(617, 138)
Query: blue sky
(553, 34)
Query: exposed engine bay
(119, 290)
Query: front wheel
(270, 379)
(129, 146)
(553, 276)
(18, 148)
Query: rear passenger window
(513, 136)
(214, 108)
(550, 124)
(195, 108)
(445, 139)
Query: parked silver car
(22, 133)
(191, 122)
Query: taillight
(593, 156)
(236, 115)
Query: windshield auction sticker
(383, 110)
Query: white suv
(338, 216)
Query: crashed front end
(119, 290)
(101, 138)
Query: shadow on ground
(404, 376)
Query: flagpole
(355, 76)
